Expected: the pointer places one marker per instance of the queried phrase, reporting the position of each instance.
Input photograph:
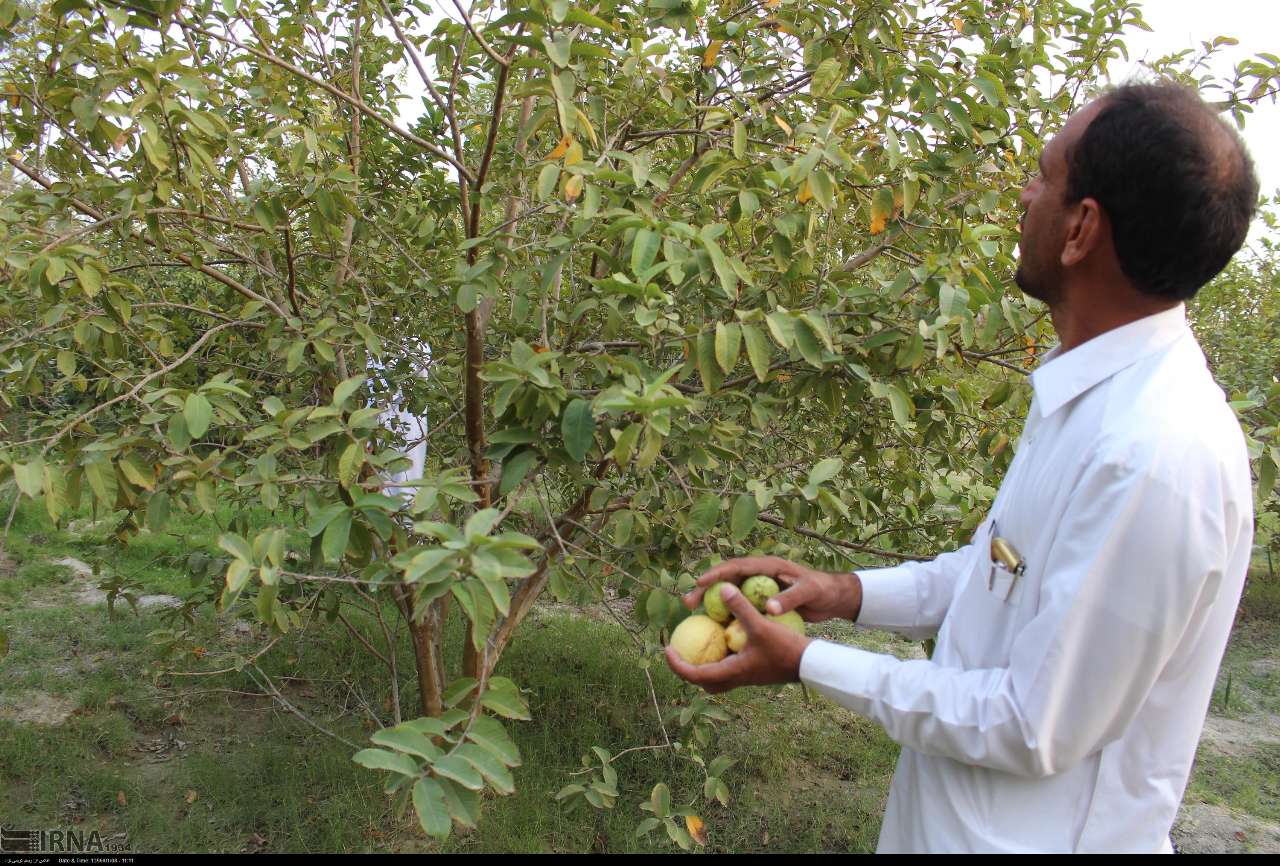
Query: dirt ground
(1229, 806)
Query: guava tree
(686, 280)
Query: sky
(1176, 25)
(1180, 24)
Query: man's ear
(1086, 225)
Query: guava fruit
(699, 640)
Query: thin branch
(840, 542)
(359, 104)
(504, 62)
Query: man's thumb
(789, 599)
(743, 610)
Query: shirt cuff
(838, 671)
(890, 597)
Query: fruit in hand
(714, 604)
(735, 636)
(760, 589)
(699, 640)
(791, 620)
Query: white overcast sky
(1176, 24)
(1179, 24)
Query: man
(1071, 675)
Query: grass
(178, 766)
(189, 765)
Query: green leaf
(30, 477)
(137, 472)
(704, 515)
(504, 698)
(758, 350)
(158, 512)
(910, 195)
(481, 523)
(346, 388)
(403, 739)
(902, 408)
(455, 768)
(349, 464)
(728, 343)
(660, 800)
(464, 805)
(823, 189)
(197, 412)
(515, 468)
(236, 546)
(336, 535)
(743, 517)
(739, 139)
(708, 366)
(578, 428)
(493, 770)
(429, 804)
(825, 470)
(547, 180)
(381, 759)
(55, 492)
(644, 249)
(490, 734)
(724, 271)
(102, 479)
(807, 343)
(826, 77)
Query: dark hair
(1175, 181)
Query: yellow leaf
(574, 156)
(958, 24)
(772, 3)
(562, 148)
(192, 796)
(573, 188)
(806, 192)
(782, 123)
(882, 206)
(697, 829)
(709, 56)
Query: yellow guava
(735, 636)
(699, 640)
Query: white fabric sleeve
(911, 599)
(1136, 561)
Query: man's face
(1045, 212)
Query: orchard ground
(93, 736)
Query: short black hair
(1175, 180)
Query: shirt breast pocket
(985, 612)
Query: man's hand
(815, 595)
(772, 654)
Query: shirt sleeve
(912, 598)
(1136, 560)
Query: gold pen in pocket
(1004, 554)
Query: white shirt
(1066, 717)
(396, 417)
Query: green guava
(760, 589)
(714, 604)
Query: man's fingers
(743, 610)
(736, 570)
(719, 676)
(797, 595)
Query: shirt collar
(1063, 376)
